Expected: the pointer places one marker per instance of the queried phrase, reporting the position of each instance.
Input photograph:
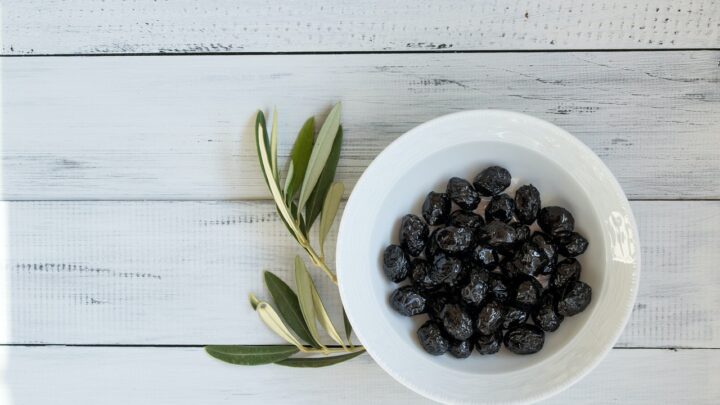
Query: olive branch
(308, 191)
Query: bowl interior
(465, 160)
(567, 173)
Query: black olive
(530, 259)
(435, 303)
(462, 193)
(461, 349)
(489, 344)
(509, 268)
(456, 321)
(556, 221)
(514, 316)
(446, 270)
(527, 204)
(485, 256)
(436, 208)
(566, 271)
(572, 244)
(526, 292)
(497, 234)
(499, 287)
(431, 247)
(522, 232)
(525, 339)
(432, 339)
(413, 234)
(477, 287)
(576, 296)
(407, 301)
(490, 318)
(501, 208)
(419, 275)
(465, 219)
(544, 242)
(545, 316)
(396, 263)
(454, 240)
(492, 181)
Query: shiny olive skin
(527, 204)
(530, 259)
(462, 193)
(436, 208)
(556, 221)
(396, 263)
(526, 292)
(461, 349)
(545, 315)
(477, 288)
(522, 232)
(455, 240)
(456, 321)
(524, 339)
(500, 208)
(572, 244)
(514, 316)
(413, 234)
(486, 256)
(408, 301)
(466, 219)
(489, 344)
(432, 339)
(576, 296)
(566, 271)
(492, 181)
(490, 318)
(545, 242)
(497, 234)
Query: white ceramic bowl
(567, 173)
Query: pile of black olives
(487, 280)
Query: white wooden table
(136, 220)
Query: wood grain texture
(142, 26)
(179, 127)
(91, 375)
(180, 272)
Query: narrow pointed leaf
(320, 153)
(319, 361)
(251, 355)
(261, 143)
(299, 158)
(304, 291)
(289, 307)
(254, 301)
(324, 318)
(273, 145)
(329, 211)
(288, 180)
(317, 198)
(348, 328)
(268, 315)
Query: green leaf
(268, 315)
(348, 328)
(320, 153)
(289, 307)
(329, 211)
(319, 361)
(273, 145)
(251, 355)
(317, 198)
(304, 290)
(299, 158)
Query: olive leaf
(304, 290)
(289, 307)
(251, 355)
(299, 157)
(319, 361)
(348, 328)
(320, 153)
(273, 145)
(317, 198)
(324, 318)
(261, 143)
(329, 211)
(268, 315)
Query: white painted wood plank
(112, 375)
(114, 26)
(180, 127)
(180, 273)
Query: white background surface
(137, 220)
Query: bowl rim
(614, 184)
